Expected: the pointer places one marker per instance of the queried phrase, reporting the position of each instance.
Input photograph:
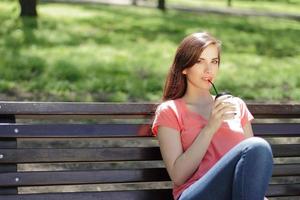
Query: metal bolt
(16, 130)
(17, 179)
(1, 156)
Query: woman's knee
(260, 146)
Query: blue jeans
(243, 173)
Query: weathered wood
(79, 155)
(286, 150)
(286, 170)
(159, 194)
(82, 177)
(75, 130)
(107, 176)
(283, 190)
(37, 155)
(271, 110)
(7, 143)
(121, 130)
(279, 190)
(11, 155)
(67, 108)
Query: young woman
(205, 157)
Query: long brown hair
(186, 56)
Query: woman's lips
(207, 78)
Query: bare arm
(248, 132)
(181, 165)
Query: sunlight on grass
(110, 53)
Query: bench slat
(160, 194)
(121, 130)
(76, 108)
(74, 130)
(286, 170)
(286, 150)
(38, 155)
(83, 177)
(274, 110)
(107, 176)
(79, 154)
(278, 190)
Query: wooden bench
(87, 151)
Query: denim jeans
(243, 173)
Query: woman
(205, 157)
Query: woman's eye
(215, 62)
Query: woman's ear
(184, 71)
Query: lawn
(281, 6)
(113, 53)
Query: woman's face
(205, 69)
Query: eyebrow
(212, 59)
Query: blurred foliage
(108, 53)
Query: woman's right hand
(219, 112)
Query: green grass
(111, 53)
(284, 6)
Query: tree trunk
(161, 5)
(229, 3)
(28, 8)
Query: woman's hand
(219, 112)
(266, 198)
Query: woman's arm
(248, 132)
(181, 165)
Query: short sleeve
(165, 115)
(245, 113)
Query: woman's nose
(208, 68)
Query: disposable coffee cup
(232, 100)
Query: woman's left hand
(266, 198)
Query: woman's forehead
(210, 52)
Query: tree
(161, 5)
(28, 8)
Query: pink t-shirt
(175, 114)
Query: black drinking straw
(214, 88)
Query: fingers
(224, 106)
(223, 109)
(228, 116)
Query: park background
(113, 51)
(95, 52)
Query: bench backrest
(52, 150)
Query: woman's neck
(203, 98)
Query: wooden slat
(7, 143)
(107, 154)
(79, 155)
(286, 150)
(280, 190)
(286, 170)
(122, 130)
(82, 177)
(273, 110)
(159, 194)
(108, 176)
(277, 130)
(78, 108)
(74, 130)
